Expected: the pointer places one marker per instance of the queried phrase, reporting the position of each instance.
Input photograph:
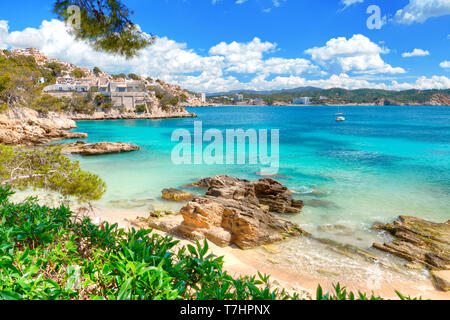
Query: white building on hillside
(127, 94)
(238, 97)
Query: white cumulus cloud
(416, 53)
(348, 3)
(422, 10)
(248, 58)
(445, 64)
(221, 68)
(357, 54)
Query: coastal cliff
(25, 126)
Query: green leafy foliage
(166, 99)
(141, 108)
(81, 103)
(119, 76)
(19, 81)
(48, 168)
(134, 76)
(97, 71)
(49, 254)
(106, 25)
(77, 73)
(52, 71)
(46, 103)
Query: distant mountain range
(300, 89)
(343, 96)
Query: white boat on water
(340, 116)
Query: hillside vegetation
(19, 81)
(22, 81)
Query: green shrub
(107, 106)
(141, 108)
(97, 71)
(77, 73)
(47, 103)
(47, 254)
(133, 76)
(48, 168)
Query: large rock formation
(422, 242)
(419, 240)
(235, 211)
(268, 192)
(229, 221)
(26, 126)
(271, 193)
(105, 147)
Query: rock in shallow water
(176, 195)
(419, 241)
(321, 204)
(264, 192)
(228, 221)
(236, 211)
(105, 147)
(338, 229)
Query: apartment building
(121, 93)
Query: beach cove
(383, 162)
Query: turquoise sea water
(381, 163)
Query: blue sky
(207, 45)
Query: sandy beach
(303, 275)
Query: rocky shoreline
(101, 116)
(244, 213)
(421, 242)
(24, 126)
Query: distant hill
(343, 96)
(230, 93)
